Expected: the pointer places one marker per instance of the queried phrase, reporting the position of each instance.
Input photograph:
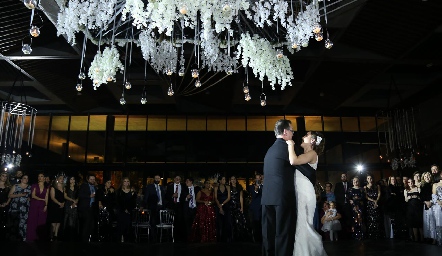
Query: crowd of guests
(401, 207)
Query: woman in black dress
(126, 201)
(4, 203)
(239, 229)
(356, 196)
(70, 224)
(223, 217)
(56, 206)
(373, 194)
(106, 205)
(415, 217)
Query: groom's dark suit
(278, 201)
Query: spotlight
(359, 167)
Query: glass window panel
(40, 131)
(77, 138)
(196, 146)
(271, 121)
(350, 124)
(156, 123)
(257, 145)
(332, 124)
(215, 123)
(120, 123)
(294, 123)
(236, 123)
(313, 123)
(217, 150)
(368, 124)
(156, 146)
(60, 123)
(118, 146)
(256, 123)
(137, 123)
(58, 139)
(176, 123)
(176, 147)
(333, 147)
(235, 147)
(97, 123)
(196, 123)
(136, 146)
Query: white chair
(166, 222)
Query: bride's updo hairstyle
(319, 144)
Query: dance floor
(341, 248)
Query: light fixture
(82, 76)
(316, 28)
(319, 36)
(122, 100)
(279, 54)
(170, 91)
(79, 87)
(294, 45)
(245, 89)
(26, 48)
(34, 31)
(328, 44)
(229, 71)
(263, 98)
(110, 79)
(183, 9)
(198, 83)
(169, 72)
(143, 100)
(359, 167)
(30, 4)
(127, 85)
(247, 96)
(195, 73)
(181, 71)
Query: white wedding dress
(307, 241)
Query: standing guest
(204, 225)
(4, 203)
(255, 211)
(17, 178)
(106, 204)
(414, 210)
(437, 208)
(126, 202)
(18, 209)
(391, 206)
(330, 221)
(356, 200)
(175, 196)
(327, 194)
(154, 200)
(56, 206)
(47, 181)
(239, 229)
(70, 223)
(86, 208)
(426, 196)
(373, 194)
(343, 206)
(223, 215)
(38, 208)
(417, 179)
(189, 205)
(435, 172)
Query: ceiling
(386, 54)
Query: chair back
(143, 217)
(166, 217)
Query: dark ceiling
(386, 54)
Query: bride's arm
(302, 158)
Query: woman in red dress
(204, 225)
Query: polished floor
(341, 248)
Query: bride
(307, 240)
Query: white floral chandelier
(226, 34)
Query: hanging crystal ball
(195, 73)
(181, 71)
(263, 103)
(34, 31)
(82, 76)
(122, 101)
(127, 85)
(79, 87)
(294, 45)
(319, 36)
(26, 49)
(183, 10)
(169, 72)
(110, 79)
(198, 83)
(170, 91)
(304, 43)
(328, 44)
(143, 100)
(229, 71)
(317, 28)
(245, 89)
(279, 54)
(247, 97)
(30, 4)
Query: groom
(278, 195)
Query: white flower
(104, 66)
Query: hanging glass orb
(170, 91)
(181, 71)
(34, 31)
(195, 73)
(169, 72)
(319, 36)
(110, 79)
(30, 4)
(294, 45)
(229, 71)
(183, 9)
(82, 76)
(245, 89)
(79, 87)
(127, 85)
(247, 96)
(143, 100)
(279, 54)
(198, 83)
(26, 49)
(122, 100)
(317, 28)
(304, 43)
(263, 98)
(328, 44)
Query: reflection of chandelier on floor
(397, 131)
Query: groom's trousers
(278, 230)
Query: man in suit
(189, 193)
(278, 194)
(255, 212)
(17, 178)
(344, 207)
(87, 207)
(174, 195)
(154, 200)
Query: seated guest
(38, 208)
(330, 221)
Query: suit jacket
(170, 191)
(84, 197)
(151, 198)
(340, 192)
(185, 192)
(255, 203)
